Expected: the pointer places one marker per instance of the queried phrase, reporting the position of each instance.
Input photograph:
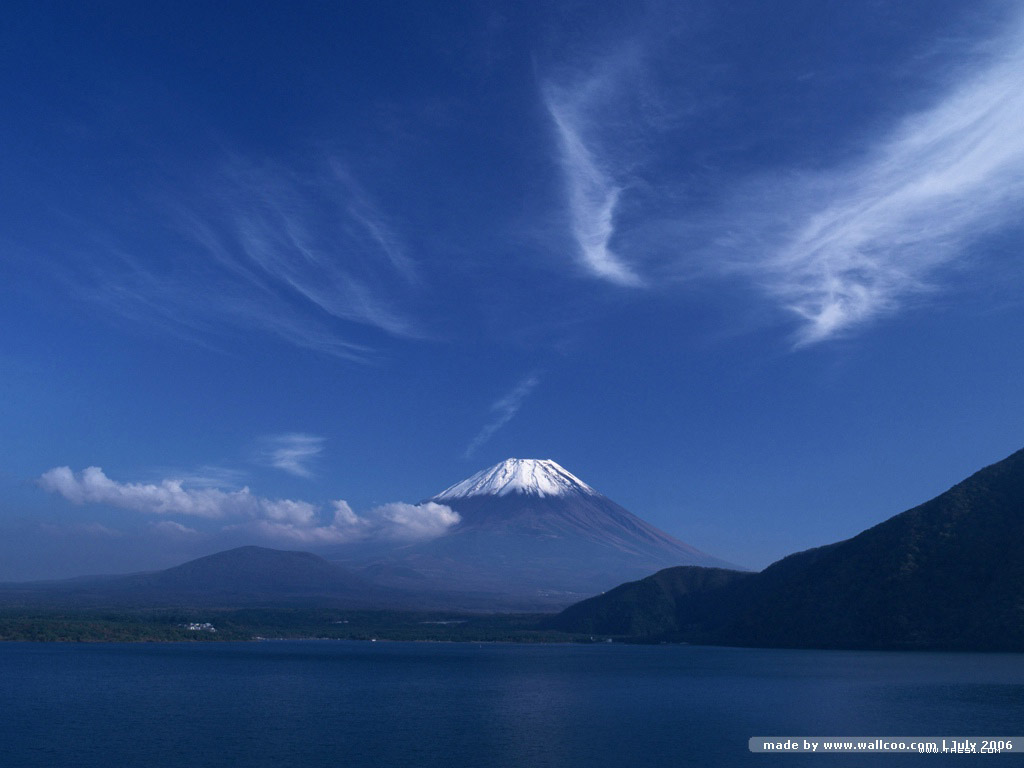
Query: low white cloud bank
(241, 509)
(407, 522)
(170, 497)
(398, 521)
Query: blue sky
(277, 274)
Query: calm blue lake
(324, 703)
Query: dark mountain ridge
(648, 607)
(947, 574)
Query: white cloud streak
(503, 410)
(592, 195)
(836, 248)
(283, 234)
(299, 255)
(292, 452)
(242, 510)
(870, 236)
(207, 476)
(380, 231)
(173, 530)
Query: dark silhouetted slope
(946, 574)
(649, 607)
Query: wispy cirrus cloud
(503, 409)
(173, 529)
(303, 254)
(206, 476)
(877, 232)
(292, 452)
(591, 193)
(240, 509)
(321, 238)
(838, 247)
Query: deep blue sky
(752, 270)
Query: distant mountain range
(948, 574)
(532, 536)
(241, 576)
(533, 533)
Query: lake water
(328, 703)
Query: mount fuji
(531, 535)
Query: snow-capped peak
(533, 477)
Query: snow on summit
(533, 477)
